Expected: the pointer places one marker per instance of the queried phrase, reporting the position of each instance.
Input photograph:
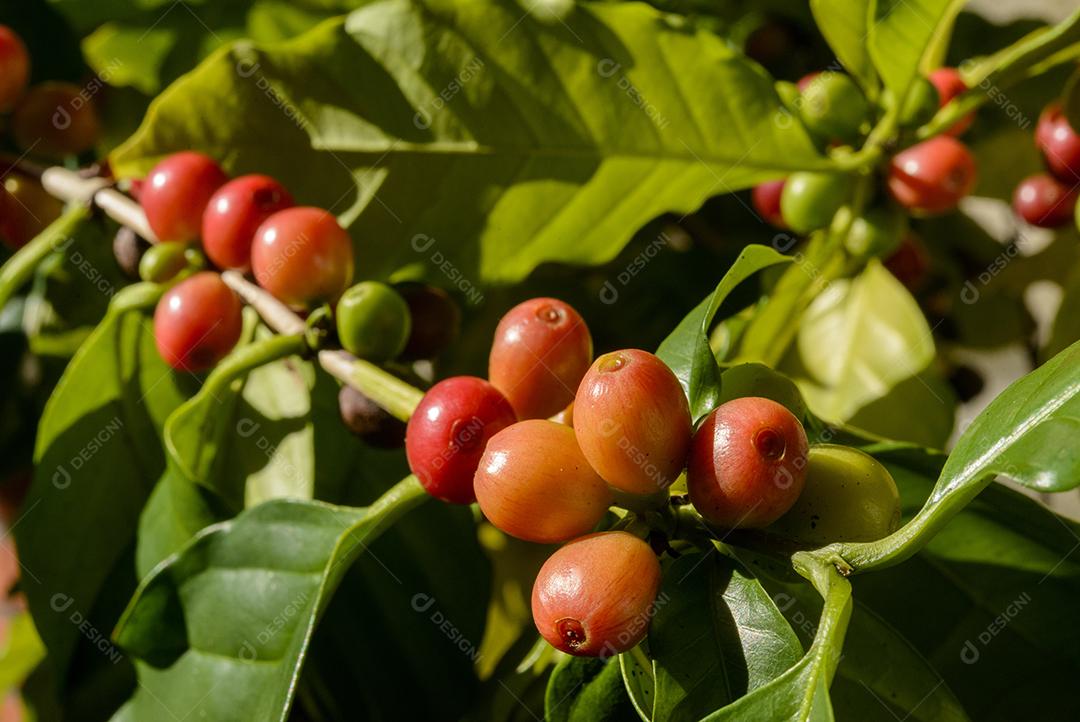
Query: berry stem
(399, 398)
(21, 266)
(396, 396)
(398, 500)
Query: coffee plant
(500, 360)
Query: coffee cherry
(1042, 200)
(197, 322)
(594, 596)
(810, 200)
(14, 68)
(303, 257)
(766, 200)
(932, 176)
(534, 483)
(25, 209)
(848, 496)
(163, 261)
(747, 463)
(436, 320)
(541, 351)
(234, 213)
(447, 433)
(877, 232)
(128, 249)
(833, 107)
(949, 84)
(369, 421)
(1059, 143)
(910, 262)
(632, 421)
(56, 120)
(176, 193)
(372, 321)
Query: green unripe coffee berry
(373, 321)
(848, 496)
(877, 232)
(164, 261)
(833, 107)
(810, 200)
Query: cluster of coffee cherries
(924, 179)
(299, 254)
(553, 439)
(1051, 199)
(50, 120)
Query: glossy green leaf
(716, 636)
(984, 600)
(752, 379)
(222, 627)
(802, 692)
(583, 689)
(539, 141)
(845, 24)
(686, 349)
(906, 34)
(881, 674)
(859, 339)
(98, 456)
(1027, 433)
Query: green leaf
(686, 350)
(984, 599)
(802, 692)
(880, 674)
(222, 628)
(753, 379)
(904, 35)
(582, 689)
(858, 339)
(98, 456)
(1026, 434)
(553, 141)
(716, 636)
(845, 24)
(200, 435)
(152, 48)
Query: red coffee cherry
(1044, 201)
(747, 463)
(766, 200)
(932, 176)
(197, 322)
(14, 68)
(56, 120)
(632, 421)
(448, 431)
(1059, 143)
(176, 193)
(233, 215)
(594, 597)
(534, 483)
(910, 263)
(949, 84)
(303, 256)
(542, 349)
